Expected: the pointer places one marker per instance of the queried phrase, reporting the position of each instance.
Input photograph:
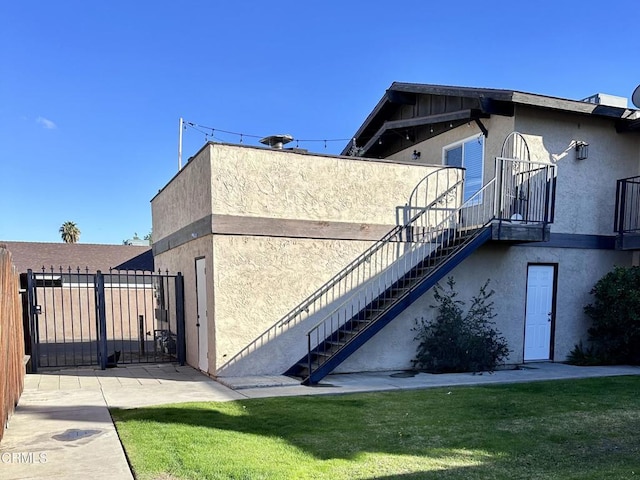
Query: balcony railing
(525, 191)
(627, 215)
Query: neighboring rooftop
(35, 255)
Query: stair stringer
(398, 307)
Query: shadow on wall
(431, 206)
(285, 342)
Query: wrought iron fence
(81, 318)
(627, 213)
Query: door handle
(549, 316)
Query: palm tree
(69, 232)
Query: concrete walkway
(62, 427)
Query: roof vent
(276, 141)
(606, 99)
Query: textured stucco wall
(585, 205)
(258, 280)
(394, 346)
(283, 184)
(183, 259)
(185, 199)
(586, 189)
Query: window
(469, 153)
(48, 280)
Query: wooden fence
(12, 369)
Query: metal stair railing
(428, 248)
(525, 191)
(443, 186)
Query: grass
(578, 429)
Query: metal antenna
(180, 145)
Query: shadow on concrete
(163, 371)
(71, 413)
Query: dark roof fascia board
(425, 89)
(503, 97)
(376, 110)
(554, 103)
(416, 88)
(573, 106)
(544, 101)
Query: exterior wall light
(582, 150)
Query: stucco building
(281, 250)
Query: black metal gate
(104, 319)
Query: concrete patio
(62, 427)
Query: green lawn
(578, 429)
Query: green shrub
(584, 356)
(615, 333)
(455, 342)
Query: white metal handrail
(425, 245)
(445, 188)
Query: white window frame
(462, 142)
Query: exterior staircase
(412, 258)
(355, 332)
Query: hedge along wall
(12, 368)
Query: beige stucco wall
(394, 346)
(585, 205)
(252, 281)
(284, 184)
(185, 199)
(258, 280)
(586, 189)
(182, 259)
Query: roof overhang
(628, 125)
(485, 101)
(398, 125)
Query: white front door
(538, 322)
(202, 322)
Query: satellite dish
(635, 98)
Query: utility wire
(211, 131)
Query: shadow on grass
(325, 427)
(543, 427)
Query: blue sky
(91, 91)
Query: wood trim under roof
(455, 106)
